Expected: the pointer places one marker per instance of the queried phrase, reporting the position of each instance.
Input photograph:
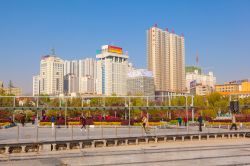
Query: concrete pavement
(32, 133)
(205, 152)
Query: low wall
(106, 142)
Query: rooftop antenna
(197, 59)
(53, 51)
(126, 53)
(173, 30)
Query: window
(57, 84)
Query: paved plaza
(205, 152)
(32, 133)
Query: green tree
(200, 102)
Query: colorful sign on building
(115, 49)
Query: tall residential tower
(166, 59)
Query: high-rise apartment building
(112, 68)
(87, 76)
(166, 59)
(36, 85)
(87, 67)
(87, 85)
(51, 75)
(141, 82)
(71, 67)
(71, 84)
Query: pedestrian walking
(145, 124)
(233, 122)
(179, 120)
(185, 120)
(200, 122)
(33, 118)
(22, 119)
(83, 122)
(53, 120)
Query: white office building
(112, 69)
(205, 82)
(51, 75)
(141, 82)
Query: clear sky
(218, 29)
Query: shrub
(45, 124)
(74, 123)
(107, 123)
(173, 122)
(126, 122)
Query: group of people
(179, 119)
(145, 123)
(83, 121)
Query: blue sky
(218, 29)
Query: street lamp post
(186, 110)
(129, 111)
(192, 104)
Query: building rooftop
(140, 73)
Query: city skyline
(217, 30)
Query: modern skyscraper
(166, 59)
(51, 75)
(112, 68)
(36, 85)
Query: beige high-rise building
(51, 75)
(166, 59)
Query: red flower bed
(5, 120)
(126, 122)
(222, 120)
(75, 119)
(60, 122)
